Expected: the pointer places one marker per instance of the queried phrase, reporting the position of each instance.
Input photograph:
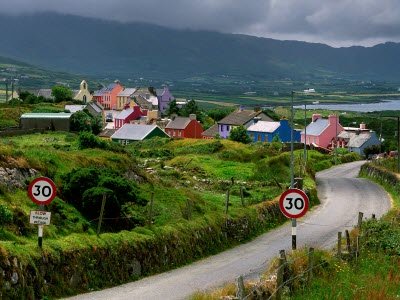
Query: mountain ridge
(109, 48)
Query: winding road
(342, 196)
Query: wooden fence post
(227, 201)
(310, 265)
(360, 217)
(103, 204)
(339, 244)
(279, 279)
(240, 290)
(348, 242)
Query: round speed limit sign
(294, 203)
(42, 190)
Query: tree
(84, 121)
(172, 108)
(61, 93)
(239, 134)
(190, 108)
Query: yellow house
(83, 93)
(124, 97)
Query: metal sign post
(42, 191)
(294, 204)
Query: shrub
(239, 134)
(89, 140)
(6, 216)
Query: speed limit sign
(294, 203)
(42, 190)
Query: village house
(133, 132)
(237, 118)
(210, 133)
(164, 97)
(265, 131)
(322, 132)
(124, 97)
(83, 94)
(184, 127)
(145, 98)
(357, 139)
(107, 96)
(128, 115)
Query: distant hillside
(84, 45)
(32, 77)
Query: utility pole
(294, 221)
(305, 136)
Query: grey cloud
(337, 22)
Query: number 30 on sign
(42, 190)
(294, 203)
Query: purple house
(164, 97)
(240, 117)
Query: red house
(107, 96)
(183, 127)
(128, 115)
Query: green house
(133, 132)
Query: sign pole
(294, 229)
(42, 191)
(294, 204)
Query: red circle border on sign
(306, 203)
(30, 192)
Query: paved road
(342, 196)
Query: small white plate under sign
(40, 217)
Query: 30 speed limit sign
(42, 190)
(294, 203)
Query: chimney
(173, 116)
(363, 126)
(315, 117)
(192, 117)
(333, 119)
(256, 119)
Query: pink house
(128, 115)
(322, 132)
(107, 96)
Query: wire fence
(282, 277)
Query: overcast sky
(335, 22)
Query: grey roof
(46, 93)
(241, 117)
(96, 106)
(357, 140)
(107, 132)
(264, 126)
(133, 132)
(74, 108)
(75, 93)
(317, 127)
(178, 123)
(212, 131)
(159, 92)
(124, 114)
(61, 115)
(127, 92)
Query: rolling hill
(91, 46)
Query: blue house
(264, 131)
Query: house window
(259, 137)
(84, 98)
(179, 133)
(227, 127)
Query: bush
(84, 188)
(6, 216)
(89, 140)
(239, 134)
